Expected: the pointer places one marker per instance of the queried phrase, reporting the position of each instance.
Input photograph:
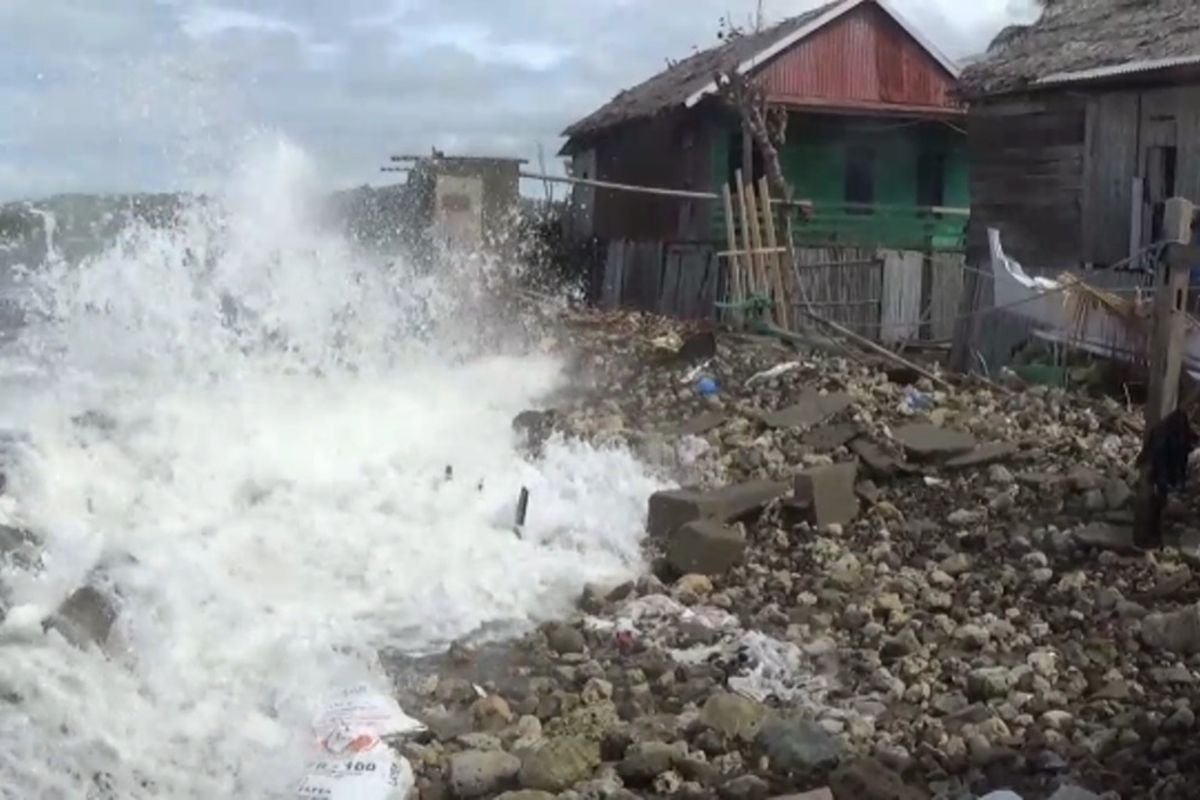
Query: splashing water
(267, 498)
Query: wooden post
(1168, 327)
(749, 262)
(755, 240)
(734, 288)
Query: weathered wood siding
(1112, 163)
(1027, 172)
(672, 151)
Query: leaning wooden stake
(733, 288)
(752, 283)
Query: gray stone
(646, 761)
(705, 547)
(85, 618)
(526, 794)
(1176, 631)
(1117, 493)
(930, 443)
(799, 746)
(812, 409)
(986, 683)
(1073, 793)
(698, 426)
(747, 787)
(559, 764)
(829, 494)
(1102, 536)
(830, 437)
(867, 779)
(816, 794)
(733, 715)
(479, 773)
(984, 455)
(670, 510)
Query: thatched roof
(1077, 40)
(674, 85)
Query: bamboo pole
(734, 287)
(756, 243)
(744, 214)
(782, 302)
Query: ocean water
(239, 428)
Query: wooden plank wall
(680, 280)
(900, 306)
(1112, 163)
(944, 282)
(1027, 170)
(844, 284)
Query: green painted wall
(815, 159)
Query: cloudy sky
(115, 95)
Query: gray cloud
(156, 94)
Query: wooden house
(1080, 126)
(874, 135)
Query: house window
(860, 177)
(931, 179)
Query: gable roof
(690, 80)
(1081, 40)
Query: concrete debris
(705, 547)
(670, 510)
(812, 409)
(925, 442)
(828, 494)
(85, 619)
(984, 455)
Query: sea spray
(265, 503)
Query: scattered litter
(916, 400)
(935, 482)
(695, 372)
(706, 387)
(352, 761)
(773, 372)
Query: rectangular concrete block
(828, 493)
(672, 509)
(705, 547)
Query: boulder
(812, 409)
(564, 639)
(478, 773)
(926, 442)
(559, 764)
(705, 547)
(799, 747)
(670, 510)
(828, 493)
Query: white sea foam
(268, 500)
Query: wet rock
(559, 764)
(477, 773)
(564, 639)
(733, 716)
(930, 443)
(491, 713)
(867, 779)
(1176, 632)
(535, 427)
(828, 494)
(812, 409)
(705, 547)
(799, 747)
(670, 510)
(85, 618)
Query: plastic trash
(706, 387)
(773, 372)
(352, 761)
(916, 400)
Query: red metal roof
(862, 61)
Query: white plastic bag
(352, 761)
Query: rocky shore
(872, 588)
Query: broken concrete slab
(705, 547)
(1103, 536)
(984, 456)
(85, 618)
(812, 409)
(829, 494)
(672, 509)
(830, 437)
(926, 442)
(878, 463)
(698, 426)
